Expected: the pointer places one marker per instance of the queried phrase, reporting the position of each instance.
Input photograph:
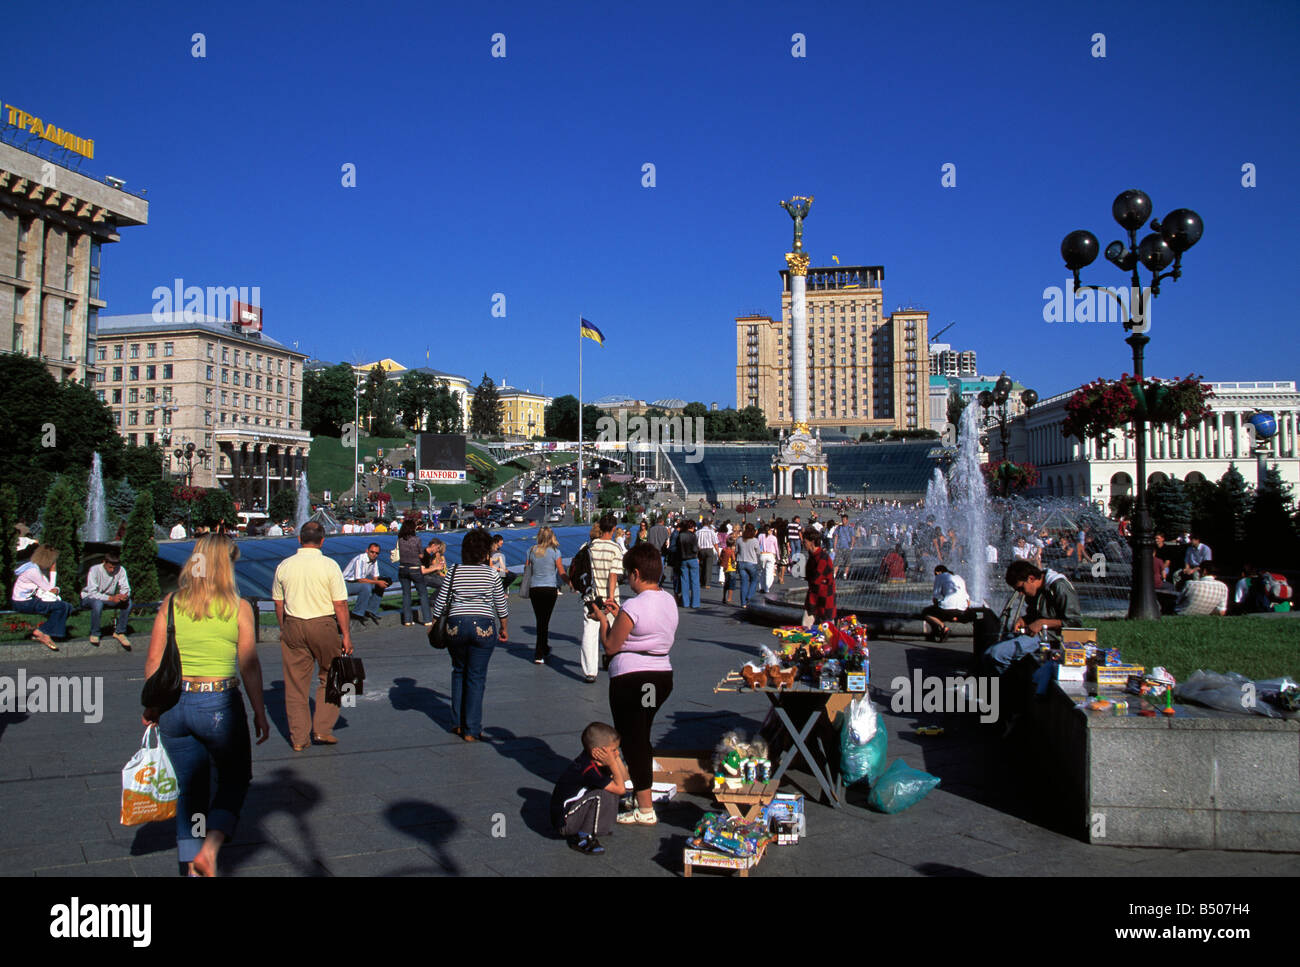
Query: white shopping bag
(148, 783)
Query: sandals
(45, 640)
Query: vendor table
(755, 795)
(814, 703)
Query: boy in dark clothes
(585, 801)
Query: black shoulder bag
(438, 633)
(163, 689)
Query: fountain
(95, 529)
(303, 510)
(936, 500)
(970, 497)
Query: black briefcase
(346, 676)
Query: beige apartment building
(53, 225)
(230, 390)
(867, 370)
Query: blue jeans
(408, 576)
(470, 648)
(97, 607)
(56, 615)
(1002, 655)
(368, 597)
(691, 583)
(202, 730)
(796, 547)
(748, 581)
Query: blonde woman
(36, 591)
(208, 726)
(547, 568)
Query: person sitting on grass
(585, 801)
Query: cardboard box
(1074, 657)
(1071, 673)
(689, 770)
(1075, 637)
(855, 681)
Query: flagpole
(581, 503)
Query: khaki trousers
(304, 643)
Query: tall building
(867, 370)
(231, 390)
(948, 362)
(523, 412)
(53, 225)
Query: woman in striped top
(474, 600)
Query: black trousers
(543, 600)
(633, 701)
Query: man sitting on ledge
(1051, 604)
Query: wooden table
(816, 703)
(755, 795)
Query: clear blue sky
(477, 175)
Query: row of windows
(132, 351)
(135, 418)
(133, 372)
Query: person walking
(473, 600)
(606, 568)
(819, 602)
(767, 551)
(208, 727)
(311, 605)
(707, 540)
(782, 531)
(433, 564)
(845, 539)
(547, 571)
(658, 534)
(36, 591)
(689, 552)
(747, 562)
(638, 637)
(107, 587)
(410, 573)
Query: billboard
(247, 316)
(440, 456)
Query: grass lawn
(1258, 648)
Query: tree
(445, 414)
(611, 495)
(1170, 508)
(1270, 537)
(141, 466)
(140, 552)
(215, 506)
(695, 411)
(485, 410)
(8, 537)
(284, 504)
(327, 399)
(163, 503)
(379, 403)
(61, 519)
(121, 500)
(561, 419)
(415, 399)
(1234, 500)
(956, 405)
(753, 423)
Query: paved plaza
(400, 795)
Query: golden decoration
(797, 262)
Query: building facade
(1070, 468)
(946, 361)
(54, 223)
(867, 370)
(231, 391)
(523, 412)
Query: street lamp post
(187, 457)
(743, 484)
(1165, 245)
(999, 400)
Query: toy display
(737, 762)
(726, 842)
(831, 657)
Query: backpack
(580, 576)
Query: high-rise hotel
(867, 370)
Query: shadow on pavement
(10, 718)
(942, 869)
(431, 825)
(406, 696)
(280, 792)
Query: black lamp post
(1164, 246)
(999, 399)
(743, 485)
(188, 458)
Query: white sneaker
(636, 817)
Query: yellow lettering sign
(50, 132)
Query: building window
(225, 375)
(117, 396)
(225, 354)
(151, 372)
(135, 350)
(151, 350)
(133, 418)
(117, 352)
(117, 417)
(212, 352)
(207, 394)
(169, 349)
(248, 380)
(167, 370)
(259, 382)
(207, 417)
(210, 373)
(148, 417)
(101, 354)
(133, 395)
(117, 374)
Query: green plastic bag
(900, 787)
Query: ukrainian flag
(589, 330)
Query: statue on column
(797, 207)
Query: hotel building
(867, 370)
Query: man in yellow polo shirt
(311, 604)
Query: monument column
(798, 264)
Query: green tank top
(208, 647)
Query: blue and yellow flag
(589, 330)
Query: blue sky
(522, 175)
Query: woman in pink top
(768, 547)
(638, 640)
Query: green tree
(140, 552)
(485, 411)
(215, 506)
(327, 399)
(141, 466)
(695, 411)
(284, 504)
(1270, 535)
(1170, 508)
(61, 519)
(561, 419)
(445, 414)
(611, 495)
(1234, 500)
(955, 407)
(753, 423)
(121, 500)
(164, 505)
(379, 403)
(8, 538)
